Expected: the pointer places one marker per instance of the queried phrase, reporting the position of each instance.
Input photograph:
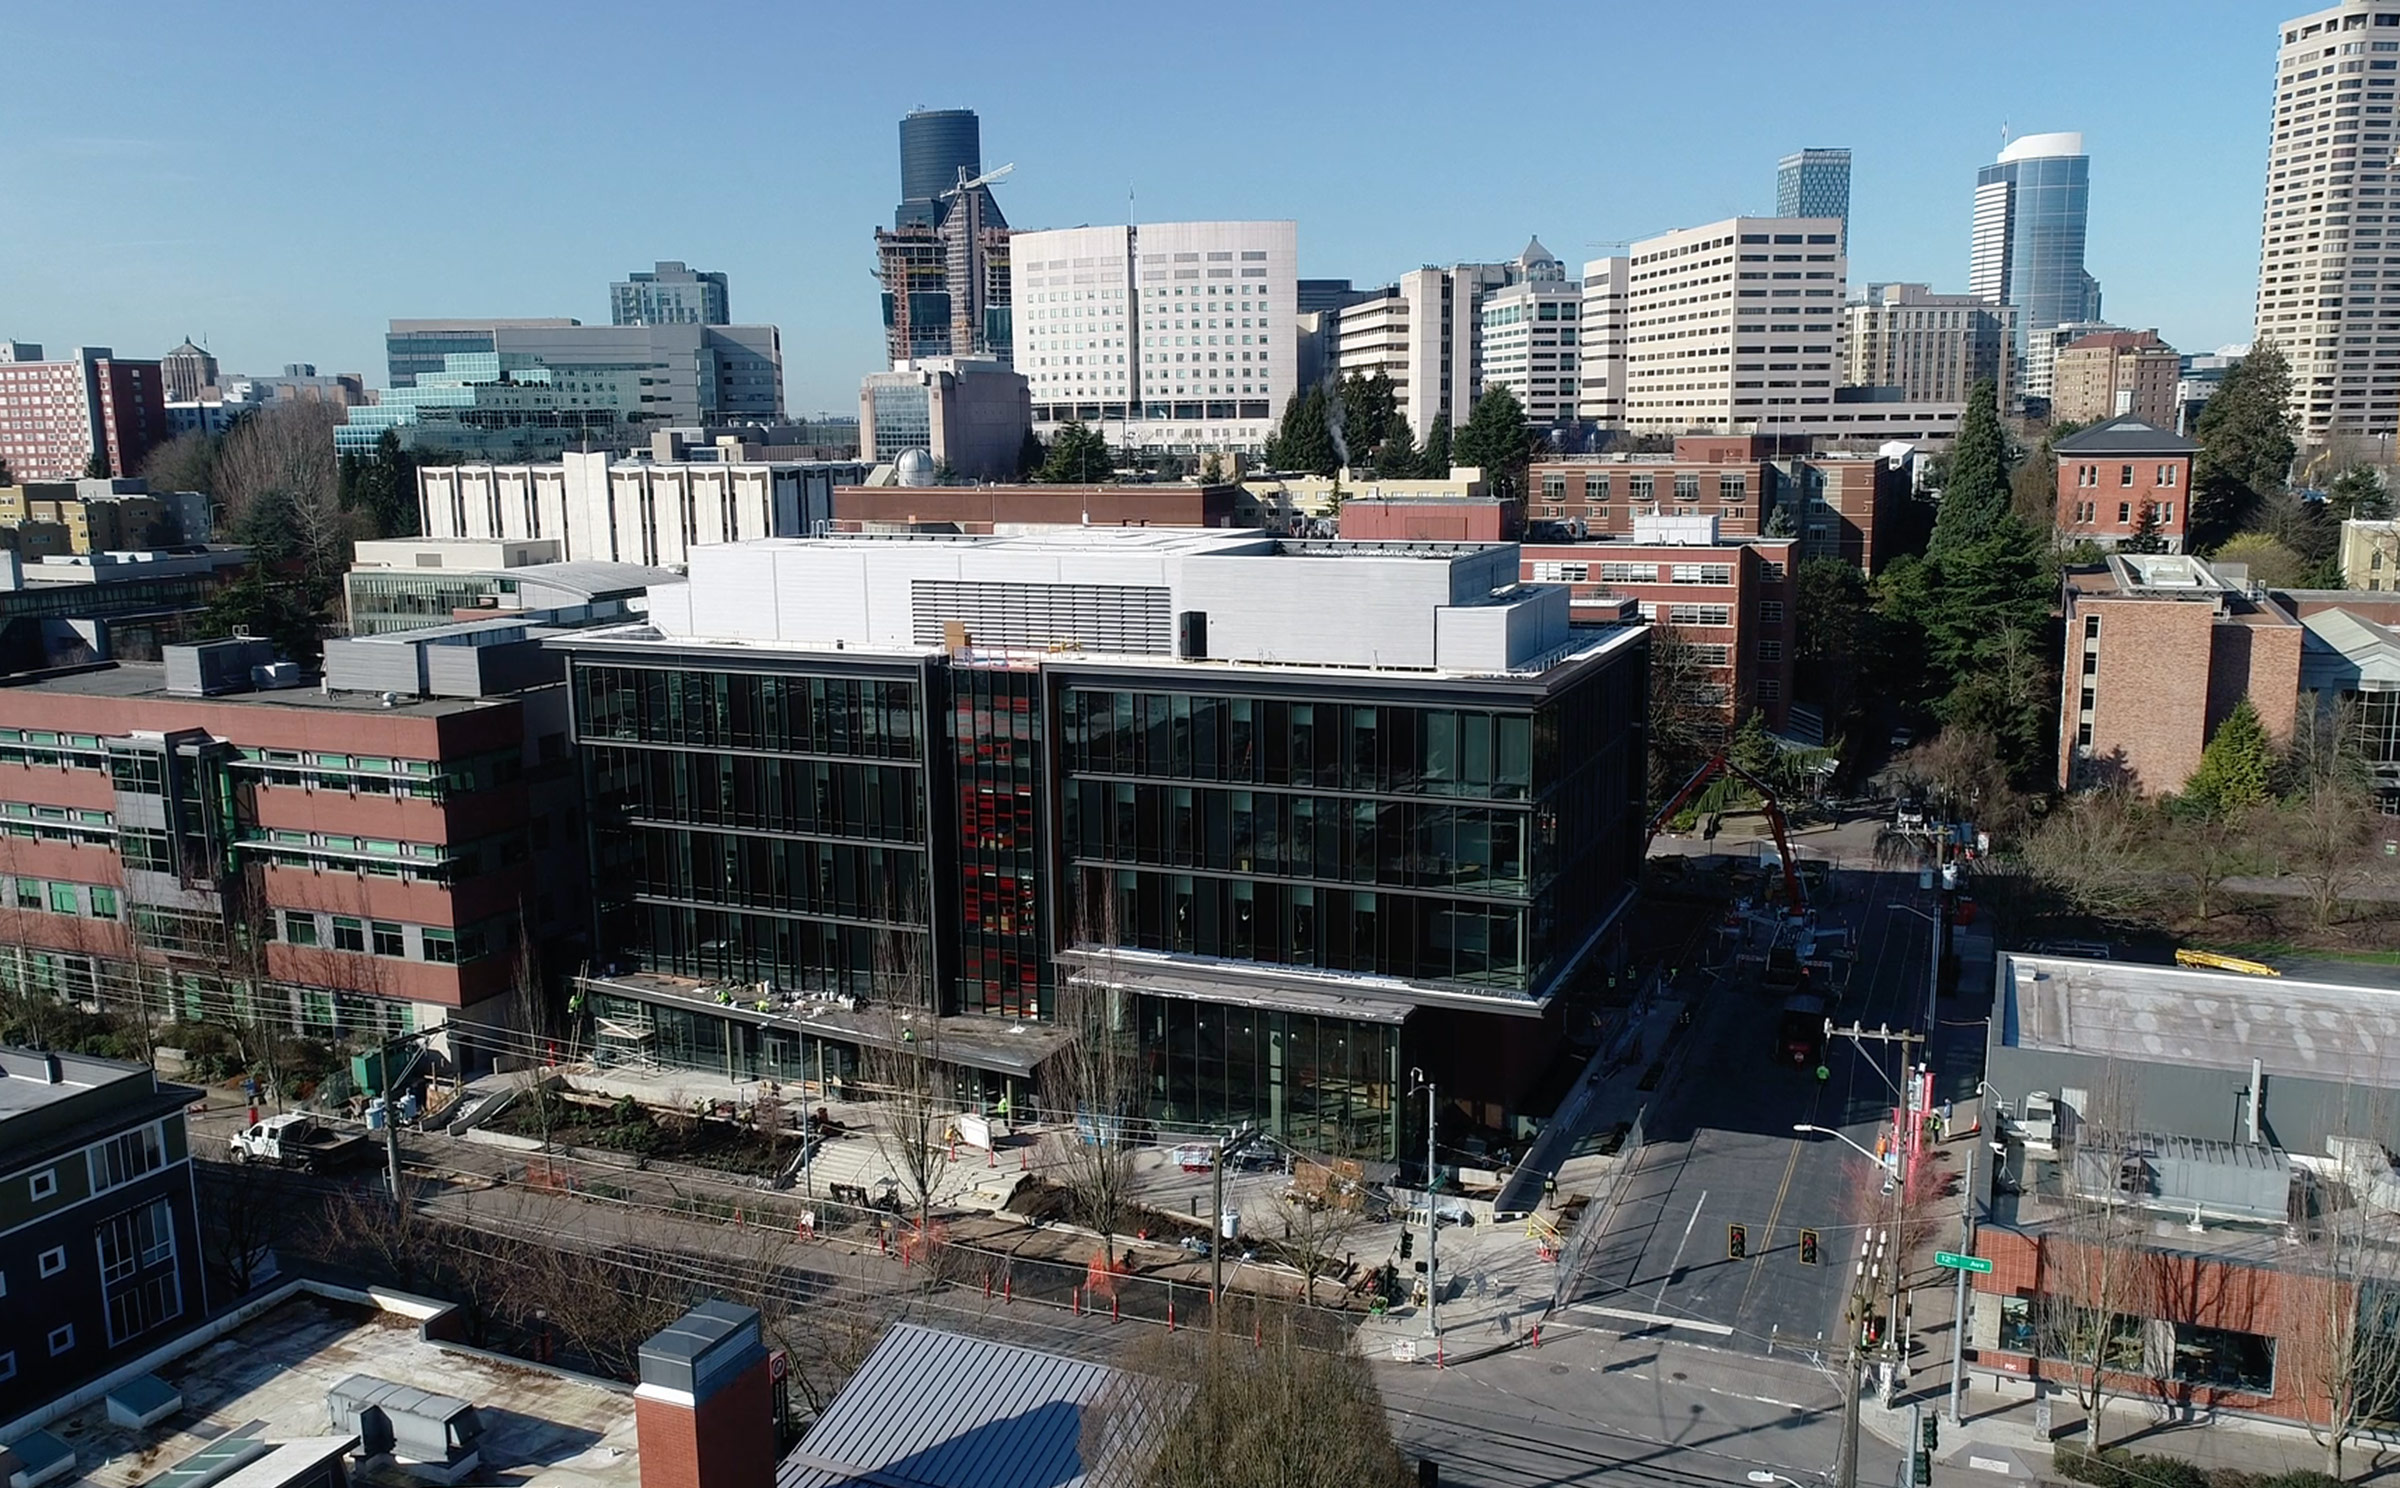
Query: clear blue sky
(282, 178)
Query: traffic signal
(1808, 1247)
(1408, 1244)
(1737, 1242)
(1933, 1434)
(1922, 1475)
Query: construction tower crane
(987, 178)
(1795, 897)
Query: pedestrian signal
(1808, 1247)
(1737, 1242)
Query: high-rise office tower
(668, 294)
(944, 261)
(2030, 207)
(1705, 308)
(1814, 183)
(2329, 169)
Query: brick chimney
(704, 1413)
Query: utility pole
(1226, 1147)
(1958, 1312)
(1433, 1222)
(391, 1105)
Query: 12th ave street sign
(1976, 1264)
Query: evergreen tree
(1975, 494)
(1499, 441)
(2355, 494)
(1370, 407)
(1304, 442)
(1397, 458)
(7, 478)
(2145, 537)
(1079, 455)
(96, 468)
(1435, 458)
(2237, 766)
(2246, 445)
(1212, 470)
(1032, 454)
(1779, 522)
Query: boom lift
(1795, 897)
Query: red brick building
(984, 509)
(1430, 519)
(2159, 649)
(368, 857)
(1843, 505)
(2114, 476)
(55, 414)
(1736, 602)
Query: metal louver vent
(1097, 617)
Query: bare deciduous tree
(2342, 1302)
(246, 1209)
(2323, 838)
(280, 460)
(2097, 853)
(910, 1080)
(1252, 1405)
(1319, 1218)
(2095, 1259)
(1095, 1079)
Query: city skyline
(264, 273)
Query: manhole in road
(1679, 1376)
(1558, 1369)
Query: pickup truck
(298, 1140)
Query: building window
(54, 1260)
(2166, 514)
(1687, 487)
(44, 1183)
(62, 1338)
(2091, 627)
(63, 899)
(2087, 475)
(1554, 486)
(441, 946)
(104, 904)
(348, 934)
(1732, 487)
(1770, 612)
(390, 939)
(2125, 475)
(2225, 1358)
(123, 1159)
(1770, 650)
(2166, 475)
(299, 927)
(1770, 690)
(1595, 488)
(2124, 512)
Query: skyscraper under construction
(944, 260)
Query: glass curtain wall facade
(996, 733)
(2048, 201)
(1424, 842)
(751, 827)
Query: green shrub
(2301, 1478)
(2167, 1472)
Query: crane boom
(1794, 895)
(987, 178)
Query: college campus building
(1527, 339)
(99, 1226)
(1734, 602)
(55, 415)
(1424, 332)
(533, 388)
(604, 508)
(412, 583)
(1320, 812)
(2124, 478)
(2109, 374)
(1168, 338)
(970, 416)
(206, 840)
(1854, 507)
(669, 293)
(2235, 1133)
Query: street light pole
(1958, 1311)
(1433, 1275)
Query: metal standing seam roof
(2342, 1034)
(931, 1409)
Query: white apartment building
(2327, 296)
(1174, 337)
(1933, 347)
(1527, 336)
(1600, 396)
(1424, 333)
(1735, 327)
(604, 508)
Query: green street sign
(1976, 1264)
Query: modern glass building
(1308, 815)
(1814, 183)
(669, 293)
(2030, 211)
